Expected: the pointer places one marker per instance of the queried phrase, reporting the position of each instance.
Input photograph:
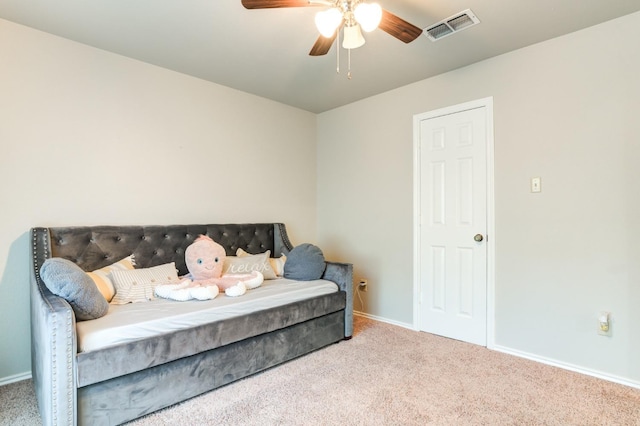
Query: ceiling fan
(352, 15)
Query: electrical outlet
(604, 323)
(363, 285)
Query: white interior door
(452, 247)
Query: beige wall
(88, 137)
(565, 110)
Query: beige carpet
(388, 375)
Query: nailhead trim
(54, 341)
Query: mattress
(126, 323)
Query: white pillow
(248, 264)
(101, 277)
(138, 285)
(276, 263)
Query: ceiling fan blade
(322, 45)
(398, 27)
(270, 4)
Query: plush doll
(205, 259)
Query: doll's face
(205, 258)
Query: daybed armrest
(342, 274)
(53, 343)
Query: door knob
(478, 238)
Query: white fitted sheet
(125, 323)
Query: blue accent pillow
(304, 263)
(67, 280)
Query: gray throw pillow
(65, 279)
(304, 263)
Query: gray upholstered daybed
(121, 382)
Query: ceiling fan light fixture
(327, 21)
(352, 37)
(368, 15)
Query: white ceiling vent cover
(452, 24)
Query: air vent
(452, 24)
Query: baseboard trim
(567, 366)
(385, 320)
(15, 378)
(527, 355)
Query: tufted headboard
(92, 247)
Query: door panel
(453, 209)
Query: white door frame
(487, 103)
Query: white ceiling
(265, 52)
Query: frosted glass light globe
(368, 15)
(327, 21)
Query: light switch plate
(536, 184)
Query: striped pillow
(101, 277)
(138, 285)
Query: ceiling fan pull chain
(349, 72)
